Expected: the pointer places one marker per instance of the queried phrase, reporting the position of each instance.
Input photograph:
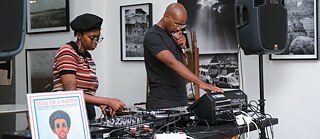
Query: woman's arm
(69, 83)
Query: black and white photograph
(39, 69)
(221, 70)
(5, 72)
(302, 31)
(214, 22)
(135, 21)
(47, 16)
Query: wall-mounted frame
(214, 23)
(135, 20)
(302, 31)
(47, 16)
(220, 69)
(39, 63)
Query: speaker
(12, 27)
(261, 26)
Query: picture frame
(135, 20)
(214, 24)
(302, 31)
(45, 108)
(45, 16)
(220, 69)
(39, 63)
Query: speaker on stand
(261, 29)
(12, 27)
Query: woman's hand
(115, 105)
(103, 109)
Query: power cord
(165, 126)
(245, 118)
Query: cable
(248, 127)
(208, 126)
(189, 137)
(248, 120)
(174, 124)
(165, 126)
(271, 126)
(260, 117)
(234, 122)
(206, 131)
(118, 129)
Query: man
(164, 60)
(60, 123)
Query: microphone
(175, 35)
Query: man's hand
(179, 39)
(208, 87)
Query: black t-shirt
(164, 83)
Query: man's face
(176, 25)
(61, 128)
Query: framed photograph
(221, 70)
(214, 24)
(135, 20)
(302, 31)
(39, 63)
(47, 16)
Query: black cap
(86, 22)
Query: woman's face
(90, 40)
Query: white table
(13, 108)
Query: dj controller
(215, 108)
(133, 124)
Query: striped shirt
(69, 60)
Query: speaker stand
(262, 99)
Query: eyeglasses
(96, 39)
(182, 26)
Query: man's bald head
(174, 18)
(176, 10)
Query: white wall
(290, 86)
(291, 93)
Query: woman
(74, 68)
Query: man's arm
(167, 58)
